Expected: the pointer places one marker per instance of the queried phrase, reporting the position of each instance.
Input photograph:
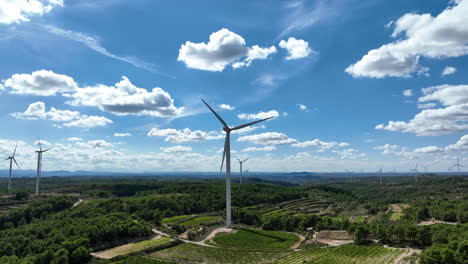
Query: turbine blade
(40, 145)
(16, 163)
(14, 152)
(46, 150)
(251, 123)
(224, 155)
(245, 160)
(216, 114)
(237, 158)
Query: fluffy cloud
(321, 145)
(89, 121)
(74, 139)
(448, 71)
(184, 135)
(424, 35)
(259, 115)
(122, 135)
(268, 138)
(297, 48)
(223, 49)
(428, 149)
(17, 11)
(461, 144)
(255, 53)
(37, 110)
(41, 83)
(226, 107)
(349, 154)
(266, 148)
(438, 121)
(95, 144)
(408, 93)
(176, 149)
(302, 107)
(126, 99)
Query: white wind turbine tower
(39, 165)
(241, 162)
(12, 159)
(458, 165)
(415, 171)
(227, 154)
(380, 174)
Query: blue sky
(115, 85)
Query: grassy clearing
(196, 253)
(172, 220)
(258, 239)
(141, 260)
(206, 220)
(343, 254)
(396, 216)
(132, 247)
(398, 208)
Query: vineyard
(313, 205)
(132, 247)
(343, 254)
(255, 238)
(195, 253)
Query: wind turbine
(380, 174)
(39, 165)
(12, 159)
(458, 165)
(415, 171)
(227, 155)
(241, 162)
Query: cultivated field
(132, 247)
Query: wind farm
(237, 132)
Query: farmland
(120, 218)
(256, 239)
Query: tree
(361, 235)
(80, 255)
(60, 257)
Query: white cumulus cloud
(122, 135)
(423, 35)
(184, 135)
(266, 148)
(268, 138)
(224, 48)
(437, 121)
(17, 11)
(177, 148)
(226, 107)
(297, 48)
(448, 71)
(408, 93)
(259, 115)
(124, 98)
(41, 83)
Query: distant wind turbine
(415, 171)
(241, 162)
(458, 165)
(227, 155)
(380, 174)
(12, 159)
(39, 165)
